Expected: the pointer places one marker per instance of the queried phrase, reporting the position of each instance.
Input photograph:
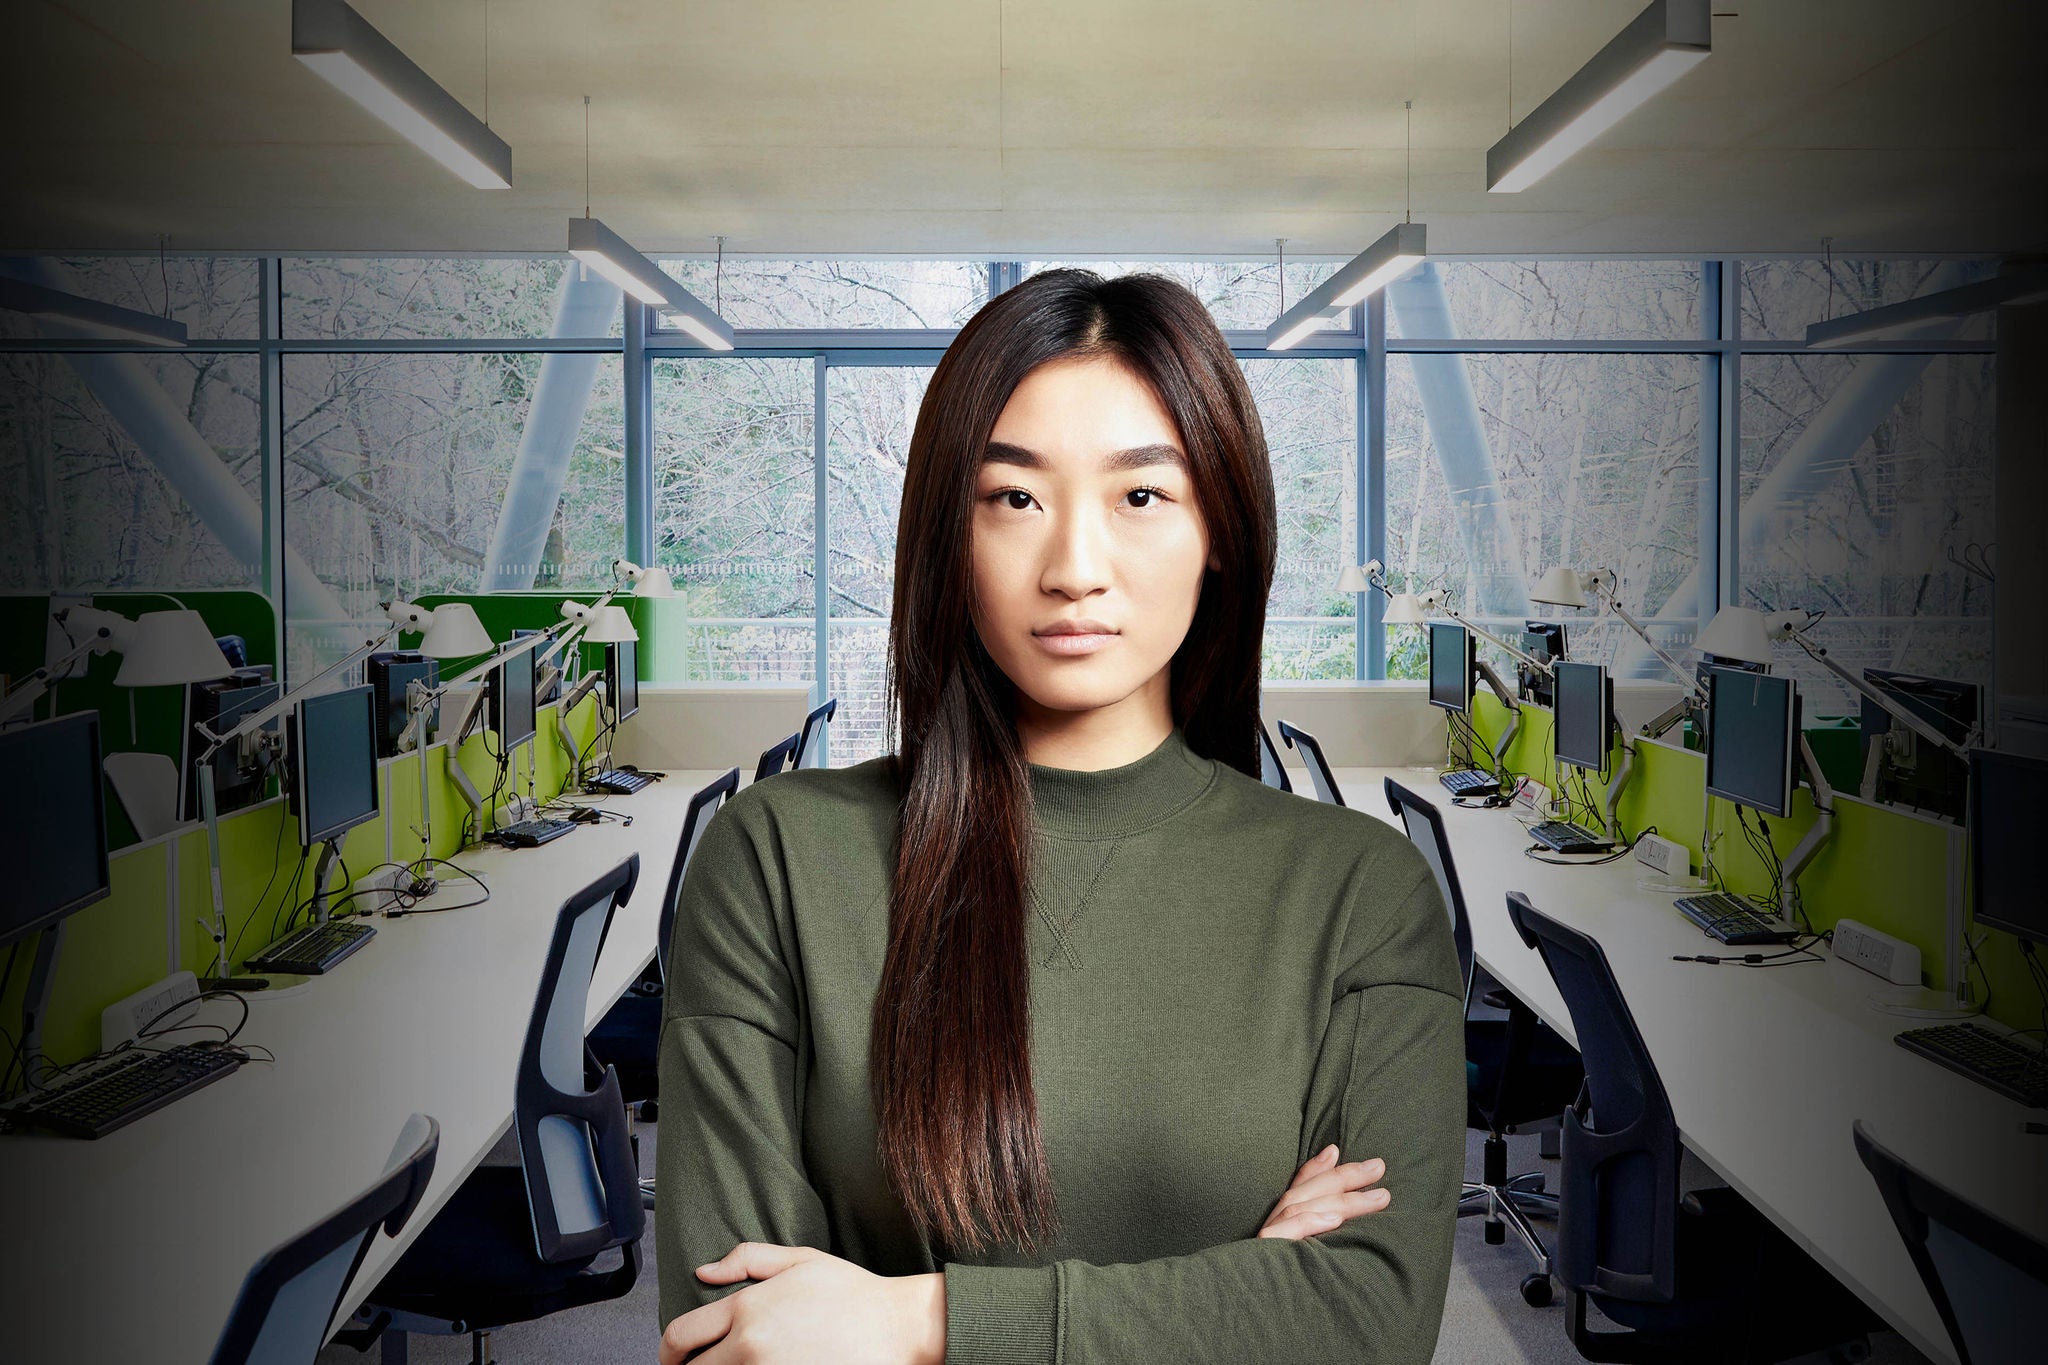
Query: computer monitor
(549, 691)
(622, 678)
(1585, 715)
(54, 840)
(1452, 659)
(334, 764)
(1902, 768)
(390, 672)
(1543, 639)
(511, 701)
(2005, 878)
(219, 705)
(1752, 733)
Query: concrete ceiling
(1031, 128)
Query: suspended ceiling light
(1379, 265)
(366, 66)
(1659, 45)
(2020, 286)
(120, 324)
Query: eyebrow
(1116, 462)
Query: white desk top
(1766, 1068)
(134, 1246)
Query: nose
(1077, 555)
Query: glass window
(1867, 492)
(412, 474)
(1501, 465)
(1608, 300)
(733, 510)
(107, 461)
(390, 298)
(842, 295)
(218, 298)
(1241, 295)
(1309, 409)
(1780, 298)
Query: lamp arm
(1519, 655)
(1677, 670)
(576, 629)
(1897, 712)
(510, 650)
(30, 690)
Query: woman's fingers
(1351, 1175)
(1325, 1194)
(1340, 1206)
(1321, 1161)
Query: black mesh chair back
(290, 1296)
(1618, 1195)
(703, 806)
(777, 755)
(810, 745)
(1424, 825)
(1271, 771)
(1988, 1279)
(1319, 775)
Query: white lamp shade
(165, 647)
(1353, 579)
(1405, 609)
(609, 626)
(454, 632)
(1737, 633)
(654, 581)
(1560, 587)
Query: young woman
(996, 1048)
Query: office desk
(1766, 1068)
(134, 1246)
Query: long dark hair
(950, 1040)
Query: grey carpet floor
(1485, 1319)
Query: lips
(1082, 626)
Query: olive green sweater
(1226, 978)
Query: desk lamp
(653, 581)
(158, 648)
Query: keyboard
(1990, 1059)
(313, 949)
(618, 782)
(1469, 782)
(137, 1082)
(532, 833)
(1562, 836)
(1733, 920)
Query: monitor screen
(625, 679)
(1585, 734)
(1752, 724)
(221, 706)
(54, 841)
(1450, 667)
(512, 707)
(334, 756)
(2005, 880)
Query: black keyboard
(313, 949)
(138, 1082)
(1469, 782)
(618, 782)
(1990, 1059)
(532, 833)
(1562, 836)
(1733, 920)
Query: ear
(1215, 563)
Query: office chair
(625, 1039)
(290, 1296)
(810, 748)
(1988, 1280)
(517, 1242)
(1271, 771)
(1518, 1071)
(774, 757)
(1699, 1276)
(1319, 775)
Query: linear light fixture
(612, 256)
(1659, 45)
(1387, 260)
(125, 324)
(363, 64)
(2020, 286)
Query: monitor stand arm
(467, 790)
(1823, 826)
(1507, 699)
(35, 1003)
(323, 871)
(1619, 785)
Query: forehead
(1083, 415)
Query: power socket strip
(516, 810)
(1665, 856)
(1876, 952)
(125, 1019)
(393, 880)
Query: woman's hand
(1325, 1194)
(810, 1306)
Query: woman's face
(1085, 516)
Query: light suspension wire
(586, 156)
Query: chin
(1075, 693)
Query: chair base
(1507, 1202)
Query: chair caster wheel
(1536, 1291)
(650, 1111)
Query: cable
(1801, 952)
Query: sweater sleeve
(1389, 1082)
(729, 1161)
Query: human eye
(1002, 497)
(1150, 495)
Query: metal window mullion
(270, 301)
(1372, 480)
(821, 596)
(1707, 594)
(639, 463)
(1728, 588)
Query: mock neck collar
(1111, 802)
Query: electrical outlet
(1876, 952)
(125, 1019)
(1665, 856)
